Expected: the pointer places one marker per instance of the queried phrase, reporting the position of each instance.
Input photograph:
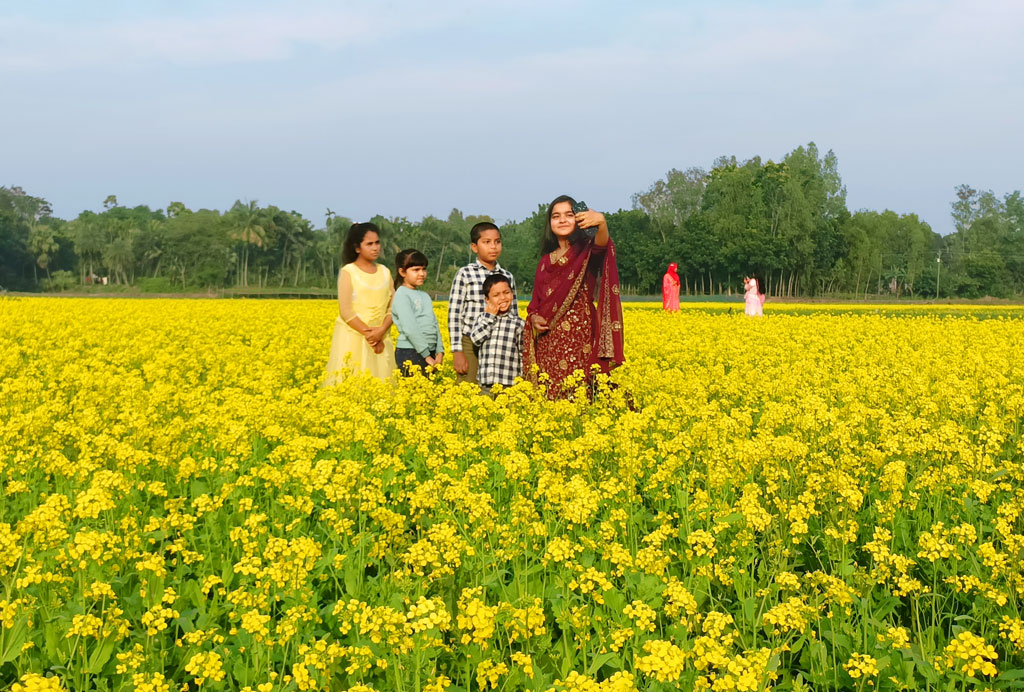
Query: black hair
(760, 283)
(354, 238)
(493, 280)
(407, 259)
(479, 228)
(549, 242)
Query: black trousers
(408, 356)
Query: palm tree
(153, 245)
(118, 255)
(249, 224)
(89, 241)
(43, 245)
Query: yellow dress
(370, 302)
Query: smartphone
(576, 209)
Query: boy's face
(488, 246)
(500, 297)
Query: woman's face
(369, 249)
(563, 220)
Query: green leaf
(194, 593)
(749, 608)
(241, 671)
(601, 660)
(14, 639)
(650, 586)
(732, 518)
(100, 655)
(52, 636)
(353, 583)
(615, 600)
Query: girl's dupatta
(563, 283)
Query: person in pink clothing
(670, 289)
(753, 297)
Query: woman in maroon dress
(565, 331)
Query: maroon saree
(579, 335)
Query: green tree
(985, 249)
(42, 243)
(249, 226)
(521, 243)
(821, 200)
(742, 221)
(670, 202)
(25, 237)
(198, 247)
(88, 237)
(326, 247)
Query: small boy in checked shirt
(498, 335)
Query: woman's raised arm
(591, 218)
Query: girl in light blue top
(419, 335)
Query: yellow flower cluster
(861, 666)
(663, 660)
(970, 654)
(792, 615)
(33, 682)
(205, 666)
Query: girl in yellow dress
(362, 338)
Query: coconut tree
(42, 244)
(249, 225)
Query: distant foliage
(60, 280)
(785, 222)
(155, 284)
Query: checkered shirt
(499, 339)
(466, 302)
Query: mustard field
(828, 498)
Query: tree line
(786, 222)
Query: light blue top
(413, 314)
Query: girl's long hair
(354, 238)
(549, 242)
(407, 259)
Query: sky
(411, 108)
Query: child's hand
(491, 306)
(460, 363)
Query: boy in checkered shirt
(466, 302)
(498, 335)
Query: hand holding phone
(578, 208)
